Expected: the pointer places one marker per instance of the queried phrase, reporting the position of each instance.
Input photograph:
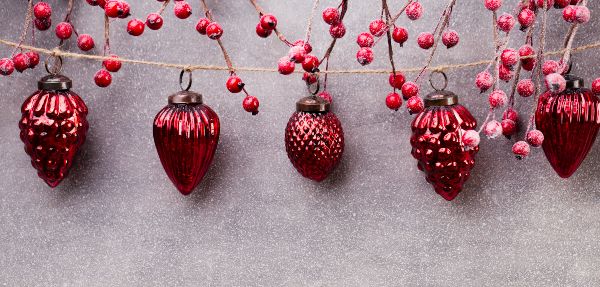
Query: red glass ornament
(186, 134)
(437, 143)
(569, 121)
(53, 127)
(314, 138)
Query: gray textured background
(118, 220)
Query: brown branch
(106, 36)
(386, 10)
(27, 22)
(163, 7)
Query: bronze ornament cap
(313, 104)
(574, 82)
(55, 82)
(441, 98)
(185, 97)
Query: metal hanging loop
(189, 85)
(431, 80)
(316, 85)
(58, 63)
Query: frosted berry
(393, 101)
(526, 51)
(7, 66)
(325, 96)
(509, 127)
(285, 66)
(116, 8)
(510, 114)
(214, 31)
(307, 47)
(414, 10)
(425, 40)
(21, 62)
(409, 90)
(135, 27)
(182, 9)
(497, 99)
(526, 18)
(484, 81)
(42, 24)
(125, 6)
(525, 88)
(268, 22)
(570, 13)
(415, 105)
(509, 57)
(505, 73)
(471, 139)
(260, 31)
(521, 150)
(338, 30)
(202, 24)
(112, 65)
(400, 35)
(42, 10)
(555, 83)
(365, 56)
(550, 67)
(559, 4)
(397, 80)
(234, 84)
(102, 78)
(506, 22)
(582, 14)
(64, 30)
(549, 3)
(365, 40)
(154, 21)
(377, 27)
(596, 86)
(492, 5)
(331, 16)
(309, 78)
(535, 138)
(251, 104)
(85, 42)
(297, 54)
(450, 38)
(492, 129)
(34, 59)
(311, 63)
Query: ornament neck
(313, 104)
(55, 82)
(185, 97)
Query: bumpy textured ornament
(437, 143)
(186, 134)
(53, 127)
(569, 122)
(314, 138)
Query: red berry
(409, 90)
(112, 65)
(425, 40)
(535, 138)
(525, 88)
(285, 66)
(555, 83)
(268, 22)
(251, 104)
(570, 13)
(214, 31)
(85, 42)
(509, 57)
(297, 54)
(135, 27)
(309, 78)
(21, 62)
(201, 25)
(510, 114)
(307, 47)
(377, 27)
(506, 22)
(550, 67)
(7, 66)
(471, 139)
(393, 101)
(365, 56)
(509, 127)
(235, 84)
(338, 30)
(493, 5)
(559, 4)
(484, 81)
(521, 150)
(497, 99)
(325, 96)
(42, 10)
(549, 3)
(582, 14)
(154, 21)
(527, 51)
(182, 9)
(311, 63)
(414, 10)
(102, 78)
(260, 31)
(505, 73)
(400, 35)
(596, 86)
(415, 105)
(114, 9)
(450, 38)
(34, 59)
(331, 16)
(526, 18)
(125, 7)
(42, 24)
(492, 129)
(64, 30)
(96, 2)
(397, 80)
(365, 40)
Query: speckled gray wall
(117, 219)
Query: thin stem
(225, 54)
(26, 23)
(389, 37)
(310, 21)
(163, 6)
(106, 50)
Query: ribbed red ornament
(437, 143)
(314, 138)
(569, 121)
(53, 127)
(186, 134)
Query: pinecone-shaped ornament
(186, 134)
(314, 138)
(53, 127)
(437, 143)
(569, 121)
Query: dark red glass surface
(569, 122)
(186, 137)
(314, 143)
(437, 145)
(53, 127)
